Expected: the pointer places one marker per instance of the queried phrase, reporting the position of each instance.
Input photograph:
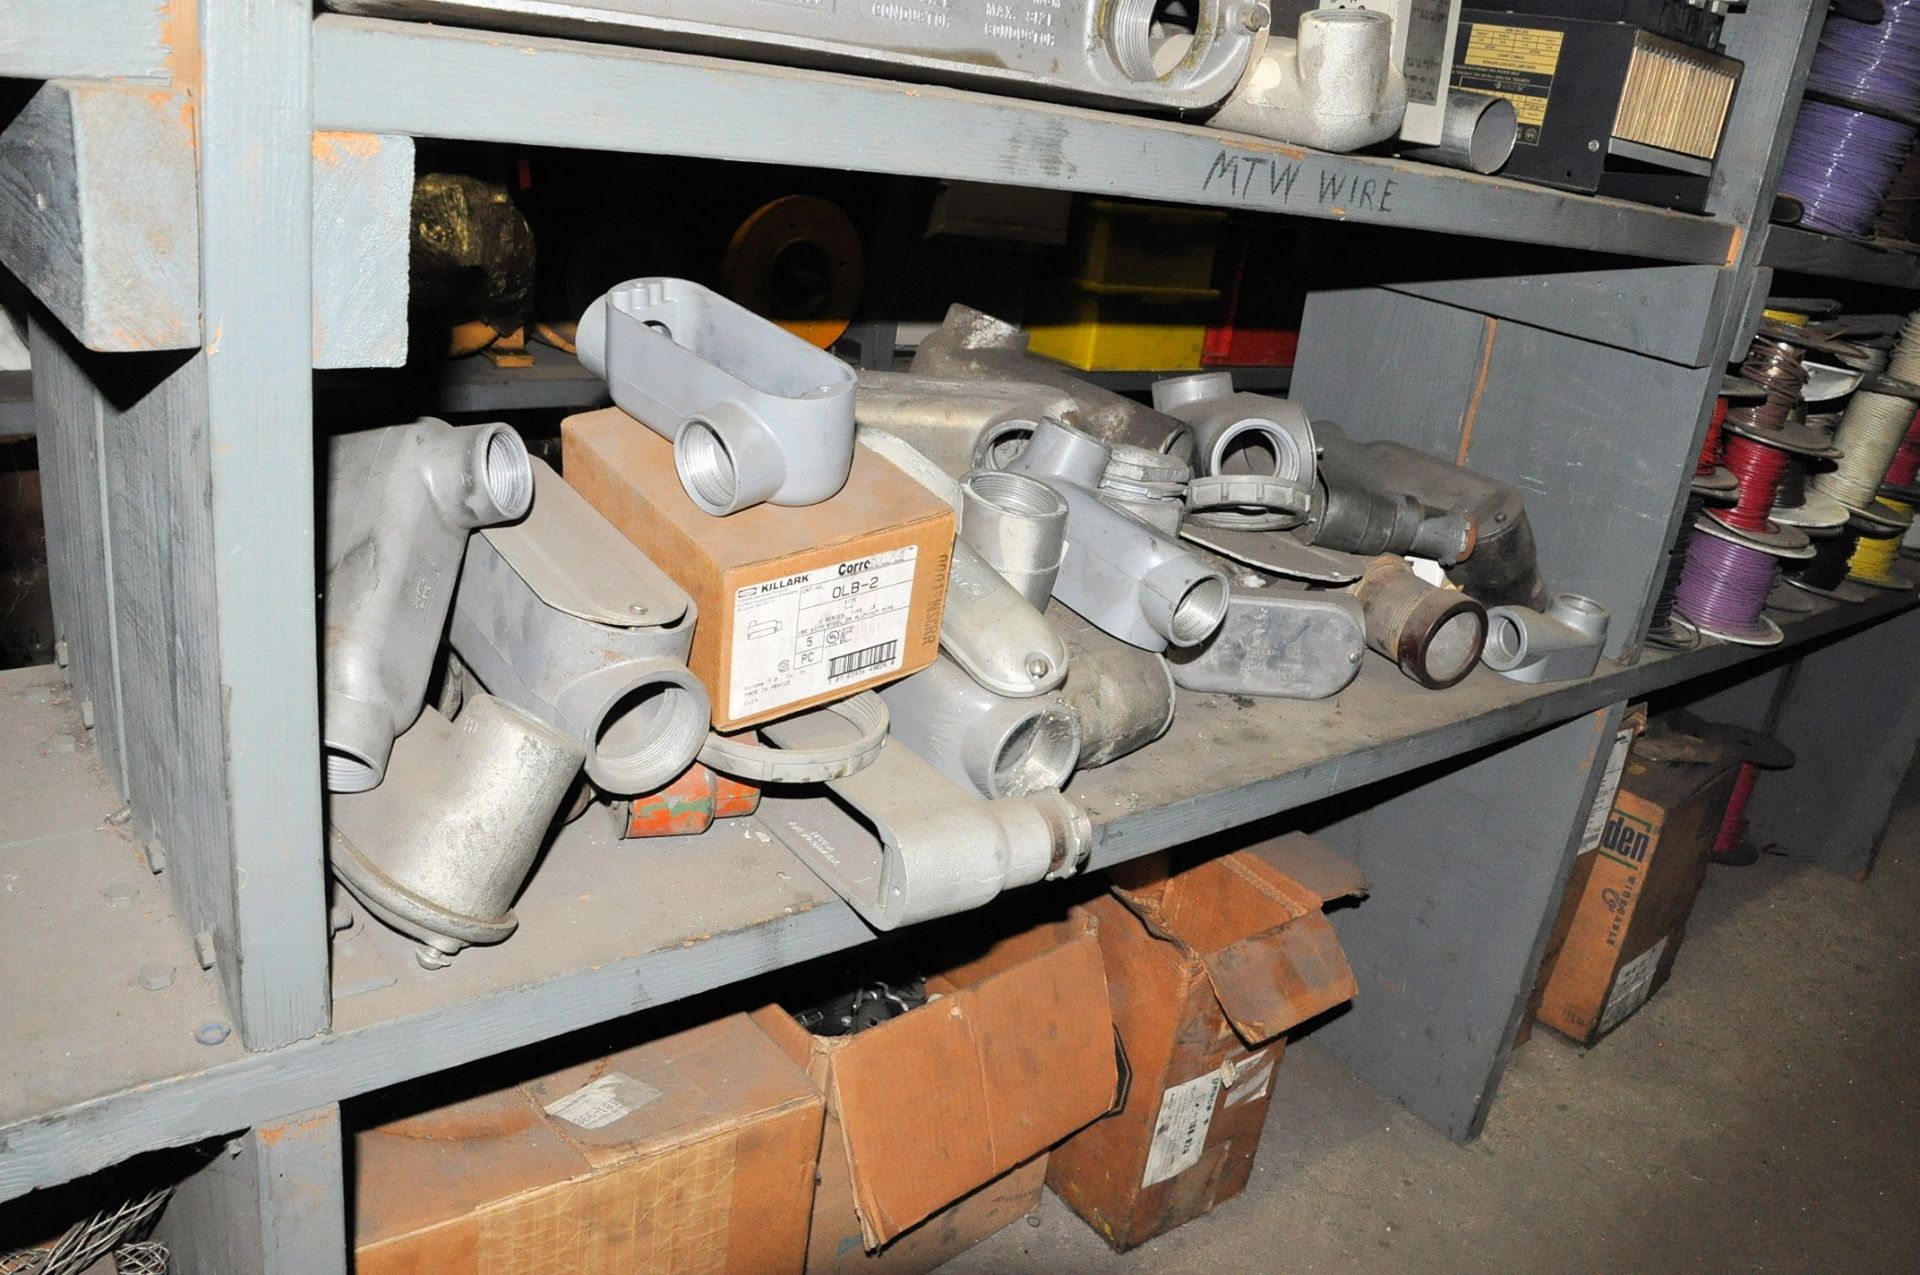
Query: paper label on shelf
(599, 1104)
(1180, 1133)
(1609, 789)
(1517, 63)
(802, 636)
(1631, 986)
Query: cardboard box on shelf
(1625, 911)
(938, 1121)
(692, 1153)
(1207, 966)
(798, 606)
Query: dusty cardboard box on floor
(1207, 966)
(938, 1121)
(691, 1153)
(798, 606)
(1625, 911)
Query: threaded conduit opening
(508, 473)
(1453, 648)
(1199, 611)
(347, 771)
(647, 736)
(1017, 494)
(1037, 754)
(1505, 642)
(707, 465)
(1256, 447)
(1000, 445)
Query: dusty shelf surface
(97, 1068)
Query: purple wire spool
(1875, 65)
(1723, 589)
(1840, 165)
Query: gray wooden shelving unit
(174, 357)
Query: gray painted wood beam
(86, 39)
(272, 1202)
(425, 80)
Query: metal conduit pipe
(1435, 635)
(401, 502)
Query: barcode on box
(860, 661)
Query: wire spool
(1796, 505)
(1710, 477)
(1905, 466)
(1778, 368)
(1725, 584)
(1879, 548)
(1841, 164)
(797, 261)
(1870, 432)
(1872, 65)
(1825, 573)
(1900, 207)
(1666, 629)
(1758, 752)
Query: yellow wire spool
(797, 261)
(1873, 558)
(1792, 318)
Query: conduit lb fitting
(1122, 696)
(562, 617)
(401, 502)
(755, 414)
(1124, 576)
(1435, 635)
(922, 846)
(1280, 641)
(1334, 88)
(1557, 645)
(997, 745)
(441, 848)
(1254, 456)
(959, 423)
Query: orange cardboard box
(938, 1121)
(1207, 966)
(798, 607)
(691, 1153)
(1625, 911)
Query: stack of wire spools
(1857, 128)
(1732, 556)
(1871, 436)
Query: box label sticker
(1517, 63)
(1180, 1133)
(806, 635)
(1631, 986)
(597, 1105)
(1247, 1080)
(1609, 789)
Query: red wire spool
(1710, 450)
(1759, 469)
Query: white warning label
(810, 634)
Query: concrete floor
(1760, 1114)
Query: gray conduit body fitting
(755, 414)
(996, 745)
(989, 628)
(1123, 696)
(957, 423)
(1558, 645)
(973, 345)
(441, 848)
(1126, 577)
(564, 618)
(1334, 88)
(1019, 525)
(401, 502)
(1287, 643)
(922, 846)
(1237, 433)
